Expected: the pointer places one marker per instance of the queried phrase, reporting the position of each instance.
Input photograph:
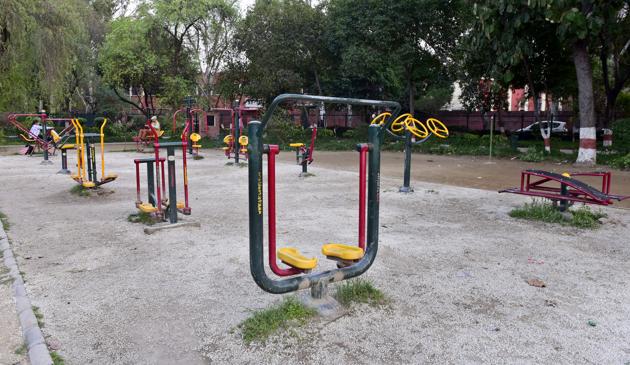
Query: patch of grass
(582, 217)
(142, 217)
(198, 157)
(79, 190)
(5, 221)
(39, 316)
(538, 211)
(533, 154)
(56, 358)
(359, 291)
(21, 350)
(266, 322)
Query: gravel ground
(10, 334)
(453, 262)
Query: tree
(283, 42)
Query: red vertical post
(311, 148)
(273, 150)
(163, 180)
(137, 181)
(363, 148)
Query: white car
(556, 127)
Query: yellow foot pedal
(196, 146)
(342, 252)
(67, 147)
(225, 148)
(147, 208)
(88, 184)
(296, 145)
(180, 205)
(111, 177)
(292, 257)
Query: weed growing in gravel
(56, 358)
(582, 217)
(5, 221)
(266, 322)
(39, 316)
(21, 350)
(141, 217)
(359, 291)
(79, 190)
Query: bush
(323, 132)
(621, 135)
(533, 154)
(281, 130)
(621, 162)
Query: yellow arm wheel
(416, 127)
(228, 139)
(380, 119)
(437, 128)
(398, 125)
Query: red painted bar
(362, 193)
(271, 212)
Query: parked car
(557, 127)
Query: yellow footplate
(147, 208)
(88, 184)
(292, 257)
(296, 145)
(181, 205)
(343, 252)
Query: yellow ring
(437, 128)
(398, 125)
(412, 126)
(380, 119)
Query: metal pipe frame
(255, 192)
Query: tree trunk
(410, 86)
(588, 148)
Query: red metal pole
(163, 180)
(137, 181)
(271, 212)
(156, 147)
(186, 209)
(311, 148)
(362, 193)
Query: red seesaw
(540, 183)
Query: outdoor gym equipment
(86, 155)
(303, 155)
(407, 128)
(64, 158)
(147, 140)
(158, 203)
(47, 146)
(351, 260)
(236, 142)
(536, 183)
(195, 138)
(191, 124)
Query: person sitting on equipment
(35, 130)
(146, 131)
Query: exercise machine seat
(243, 140)
(292, 257)
(296, 145)
(147, 208)
(343, 252)
(88, 184)
(67, 147)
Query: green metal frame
(256, 240)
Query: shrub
(621, 162)
(621, 135)
(533, 154)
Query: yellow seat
(67, 147)
(195, 137)
(292, 257)
(111, 177)
(243, 140)
(181, 205)
(55, 136)
(228, 139)
(343, 252)
(88, 184)
(196, 146)
(147, 208)
(296, 145)
(225, 148)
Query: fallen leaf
(537, 283)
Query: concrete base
(64, 172)
(405, 189)
(46, 162)
(327, 307)
(305, 174)
(161, 227)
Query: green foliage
(323, 133)
(57, 359)
(281, 130)
(533, 154)
(621, 135)
(79, 190)
(359, 291)
(266, 322)
(39, 316)
(5, 221)
(621, 162)
(21, 350)
(142, 218)
(582, 217)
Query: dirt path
(465, 171)
(453, 262)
